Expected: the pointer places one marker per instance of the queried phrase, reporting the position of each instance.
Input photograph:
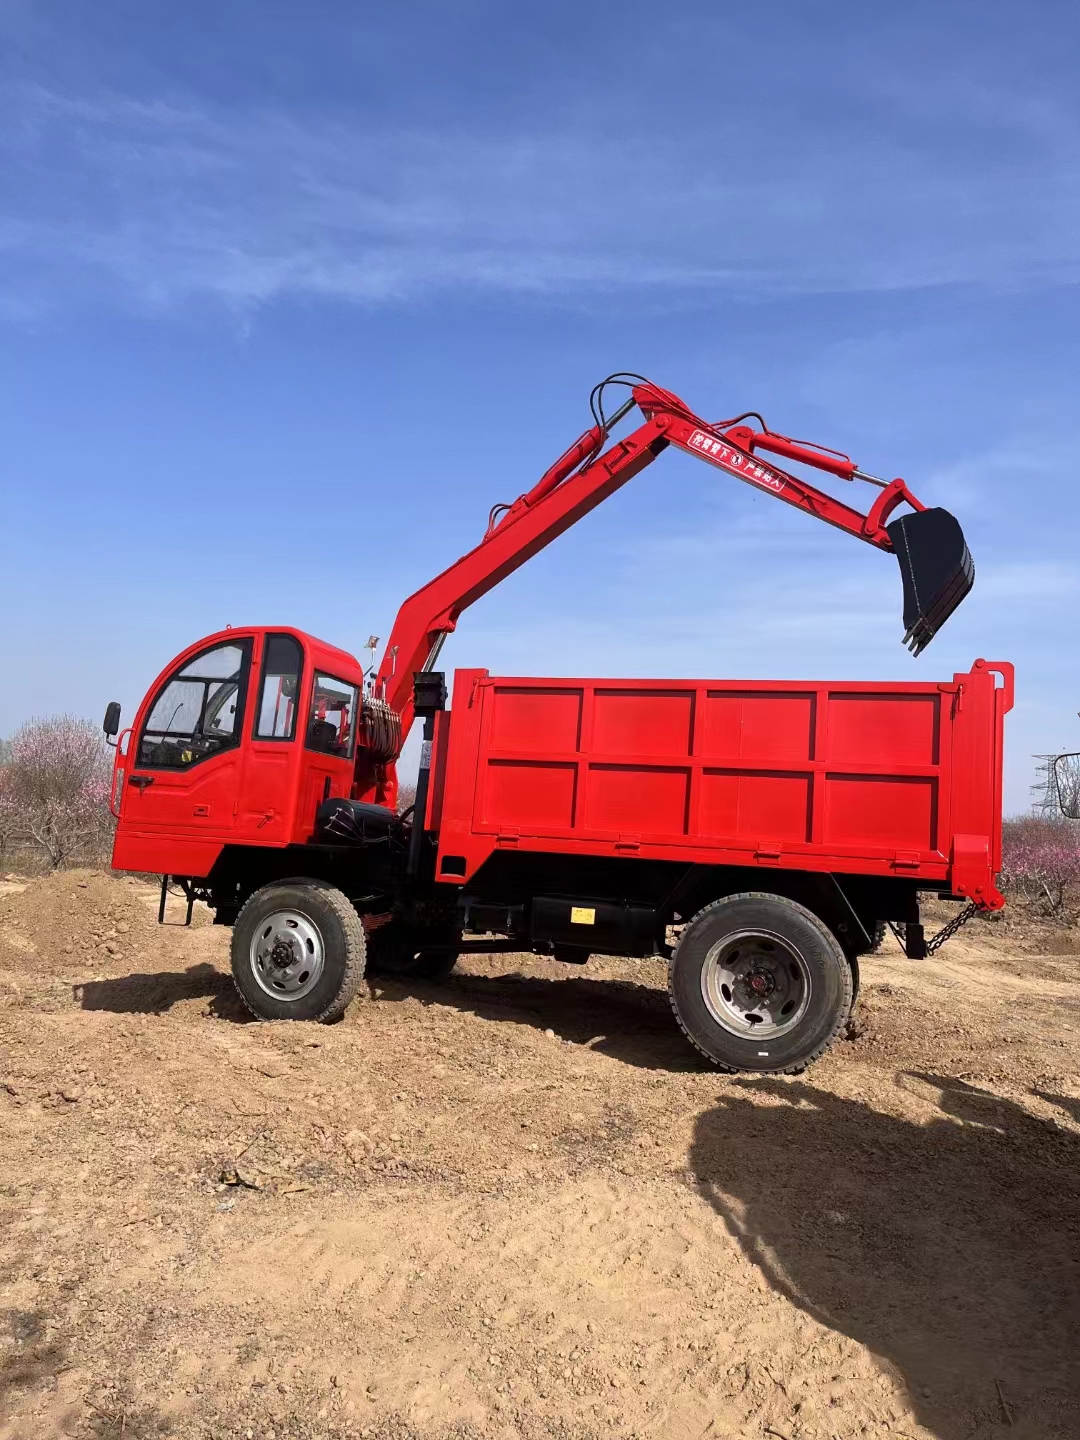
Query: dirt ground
(518, 1204)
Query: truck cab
(238, 742)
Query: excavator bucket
(937, 571)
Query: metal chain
(945, 933)
(949, 930)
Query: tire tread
(802, 1065)
(355, 946)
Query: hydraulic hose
(381, 733)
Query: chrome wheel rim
(755, 984)
(287, 955)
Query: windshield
(195, 714)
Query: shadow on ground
(621, 1018)
(951, 1249)
(29, 1357)
(632, 1022)
(32, 1351)
(157, 991)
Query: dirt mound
(65, 920)
(518, 1205)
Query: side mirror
(111, 723)
(1067, 784)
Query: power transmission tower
(1044, 793)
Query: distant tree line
(1040, 864)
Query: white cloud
(160, 203)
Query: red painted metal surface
(899, 779)
(259, 792)
(802, 774)
(896, 779)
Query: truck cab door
(329, 746)
(184, 773)
(271, 754)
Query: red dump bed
(877, 779)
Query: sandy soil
(519, 1205)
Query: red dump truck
(758, 834)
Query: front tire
(759, 983)
(298, 951)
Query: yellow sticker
(579, 915)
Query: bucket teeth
(936, 569)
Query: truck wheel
(298, 951)
(397, 952)
(759, 983)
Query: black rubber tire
(856, 979)
(343, 943)
(877, 934)
(830, 973)
(395, 952)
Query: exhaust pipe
(936, 568)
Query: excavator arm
(935, 564)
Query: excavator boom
(936, 567)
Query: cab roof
(323, 655)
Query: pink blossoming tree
(1041, 862)
(56, 785)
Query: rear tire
(298, 951)
(759, 983)
(877, 935)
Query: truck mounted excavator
(758, 835)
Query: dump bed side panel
(815, 775)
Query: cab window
(332, 719)
(197, 712)
(279, 690)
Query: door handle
(140, 781)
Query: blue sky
(291, 293)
